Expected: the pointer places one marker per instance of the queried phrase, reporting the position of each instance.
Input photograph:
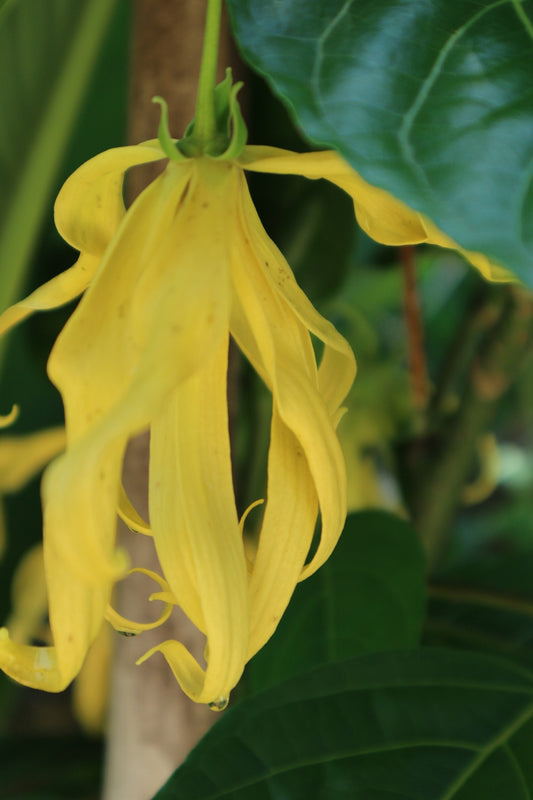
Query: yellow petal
(55, 292)
(21, 457)
(380, 215)
(286, 533)
(28, 597)
(88, 211)
(76, 613)
(196, 530)
(128, 626)
(264, 324)
(7, 419)
(116, 363)
(32, 666)
(172, 308)
(90, 206)
(91, 688)
(384, 218)
(489, 270)
(130, 516)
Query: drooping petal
(91, 688)
(337, 367)
(380, 215)
(56, 292)
(159, 299)
(286, 533)
(90, 205)
(28, 597)
(196, 530)
(129, 626)
(156, 310)
(74, 626)
(262, 322)
(30, 666)
(23, 456)
(384, 218)
(130, 516)
(492, 272)
(88, 211)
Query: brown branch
(415, 329)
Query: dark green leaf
(431, 100)
(417, 725)
(369, 596)
(487, 604)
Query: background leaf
(431, 100)
(30, 767)
(369, 596)
(486, 604)
(423, 725)
(43, 81)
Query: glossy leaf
(369, 596)
(429, 99)
(423, 725)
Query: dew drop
(219, 704)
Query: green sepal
(231, 134)
(238, 131)
(168, 144)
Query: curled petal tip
(8, 419)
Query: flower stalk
(205, 121)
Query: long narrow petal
(384, 218)
(196, 530)
(54, 293)
(303, 408)
(337, 367)
(286, 533)
(380, 215)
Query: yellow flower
(166, 284)
(168, 281)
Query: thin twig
(415, 329)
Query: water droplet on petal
(219, 704)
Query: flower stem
(205, 123)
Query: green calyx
(230, 134)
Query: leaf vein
(410, 115)
(486, 751)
